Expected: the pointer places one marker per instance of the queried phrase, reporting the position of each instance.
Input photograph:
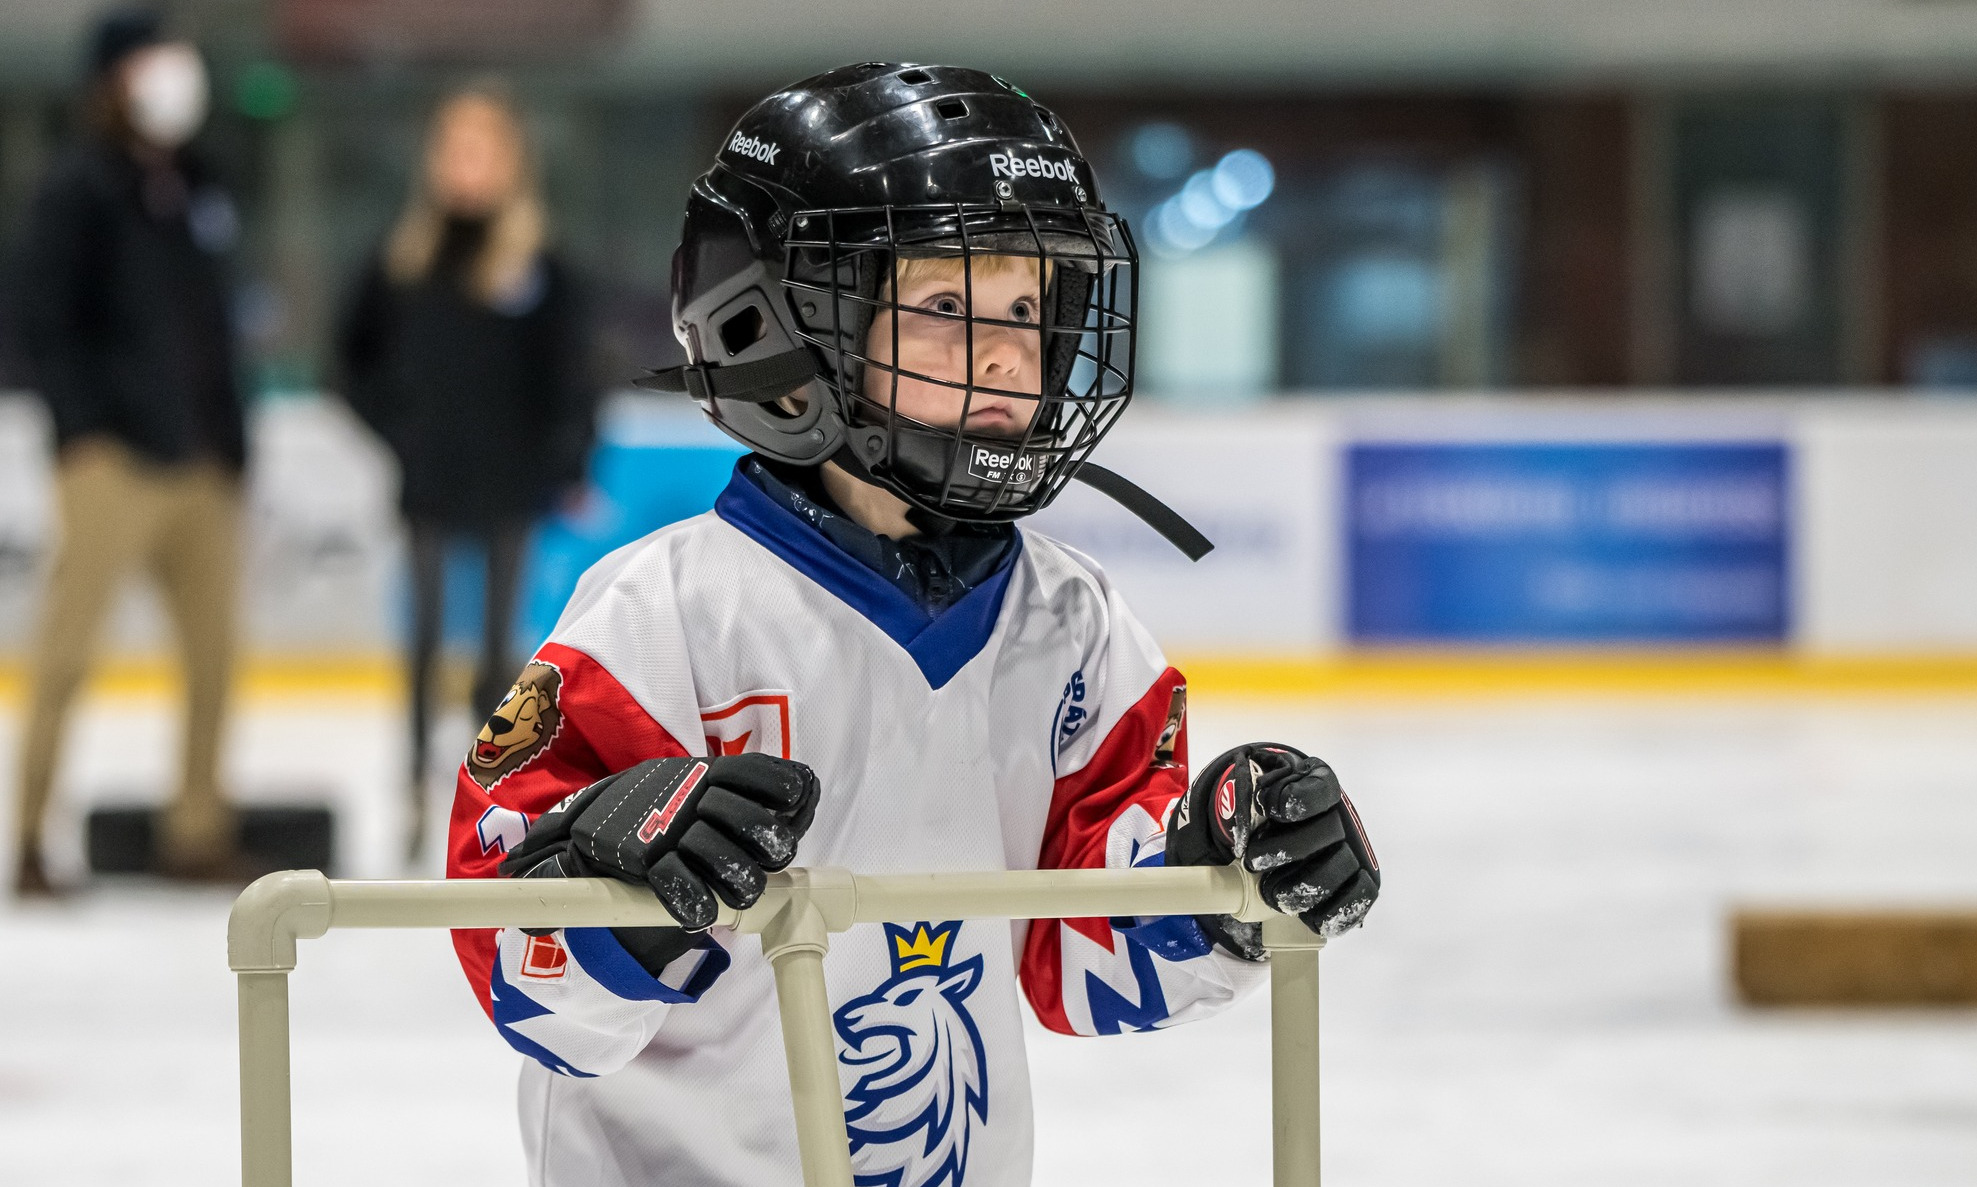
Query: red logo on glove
(1360, 830)
(1225, 806)
(661, 818)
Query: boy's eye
(1023, 311)
(950, 306)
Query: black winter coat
(121, 304)
(489, 410)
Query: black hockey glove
(1282, 814)
(689, 828)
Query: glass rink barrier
(795, 918)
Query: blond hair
(954, 267)
(517, 231)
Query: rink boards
(1829, 525)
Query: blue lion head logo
(911, 1060)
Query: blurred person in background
(466, 347)
(122, 311)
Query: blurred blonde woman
(465, 347)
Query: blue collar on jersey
(941, 644)
(935, 568)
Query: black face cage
(842, 269)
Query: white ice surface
(1539, 998)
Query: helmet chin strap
(1151, 511)
(761, 382)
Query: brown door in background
(1928, 283)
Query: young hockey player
(899, 288)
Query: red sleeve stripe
(1083, 807)
(602, 729)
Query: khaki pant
(180, 524)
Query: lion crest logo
(522, 725)
(911, 1061)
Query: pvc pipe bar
(1055, 894)
(795, 916)
(1293, 1052)
(302, 904)
(795, 943)
(265, 1156)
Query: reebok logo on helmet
(1002, 164)
(753, 149)
(1018, 468)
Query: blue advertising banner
(1579, 542)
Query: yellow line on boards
(1386, 674)
(258, 678)
(1420, 674)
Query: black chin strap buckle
(1151, 511)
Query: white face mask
(166, 86)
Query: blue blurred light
(1198, 203)
(1162, 150)
(1176, 231)
(1210, 201)
(1243, 179)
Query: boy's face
(1007, 358)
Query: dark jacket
(490, 410)
(121, 305)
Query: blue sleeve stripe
(1170, 937)
(512, 1006)
(713, 962)
(606, 960)
(1112, 1013)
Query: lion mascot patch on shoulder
(522, 725)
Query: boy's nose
(1005, 352)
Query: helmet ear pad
(745, 317)
(749, 320)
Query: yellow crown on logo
(921, 949)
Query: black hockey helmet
(792, 246)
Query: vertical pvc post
(266, 1157)
(795, 943)
(1293, 1051)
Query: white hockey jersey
(1033, 724)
